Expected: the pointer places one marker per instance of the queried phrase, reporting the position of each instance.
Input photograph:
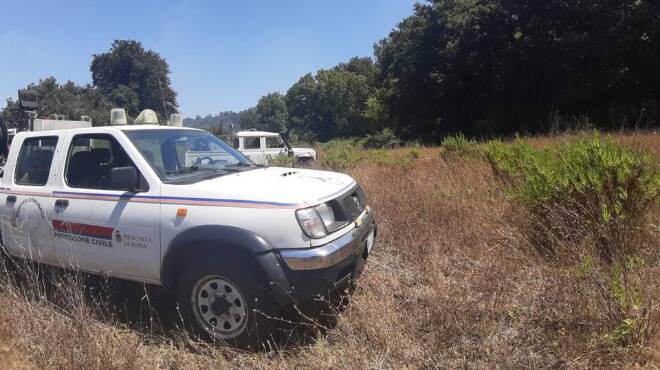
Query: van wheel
(221, 302)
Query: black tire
(303, 162)
(238, 292)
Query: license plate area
(370, 241)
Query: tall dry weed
(453, 282)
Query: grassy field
(456, 280)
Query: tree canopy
(492, 67)
(134, 78)
(330, 104)
(481, 67)
(128, 76)
(271, 113)
(214, 122)
(248, 118)
(68, 99)
(503, 66)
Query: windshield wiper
(239, 166)
(195, 177)
(182, 170)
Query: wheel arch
(210, 241)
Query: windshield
(182, 156)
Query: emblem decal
(357, 201)
(117, 236)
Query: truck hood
(304, 152)
(286, 187)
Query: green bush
(386, 139)
(623, 298)
(459, 146)
(340, 154)
(282, 160)
(346, 153)
(591, 188)
(414, 152)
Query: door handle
(61, 203)
(11, 199)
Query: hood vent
(289, 173)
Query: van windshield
(185, 156)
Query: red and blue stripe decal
(217, 202)
(94, 231)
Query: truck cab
(262, 146)
(229, 239)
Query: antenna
(162, 98)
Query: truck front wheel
(224, 302)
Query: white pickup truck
(234, 242)
(262, 146)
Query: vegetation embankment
(537, 252)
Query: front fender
(223, 242)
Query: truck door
(26, 228)
(98, 226)
(254, 148)
(274, 147)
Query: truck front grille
(349, 206)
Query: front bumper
(318, 271)
(334, 252)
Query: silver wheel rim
(219, 307)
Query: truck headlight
(315, 221)
(327, 215)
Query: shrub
(386, 139)
(282, 160)
(624, 299)
(591, 188)
(347, 153)
(459, 146)
(339, 154)
(414, 152)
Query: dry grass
(453, 282)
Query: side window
(274, 142)
(252, 143)
(90, 159)
(34, 160)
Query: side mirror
(4, 139)
(124, 178)
(285, 140)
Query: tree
(302, 102)
(214, 122)
(70, 100)
(503, 66)
(362, 66)
(128, 74)
(248, 118)
(271, 113)
(377, 110)
(12, 112)
(330, 104)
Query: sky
(223, 55)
